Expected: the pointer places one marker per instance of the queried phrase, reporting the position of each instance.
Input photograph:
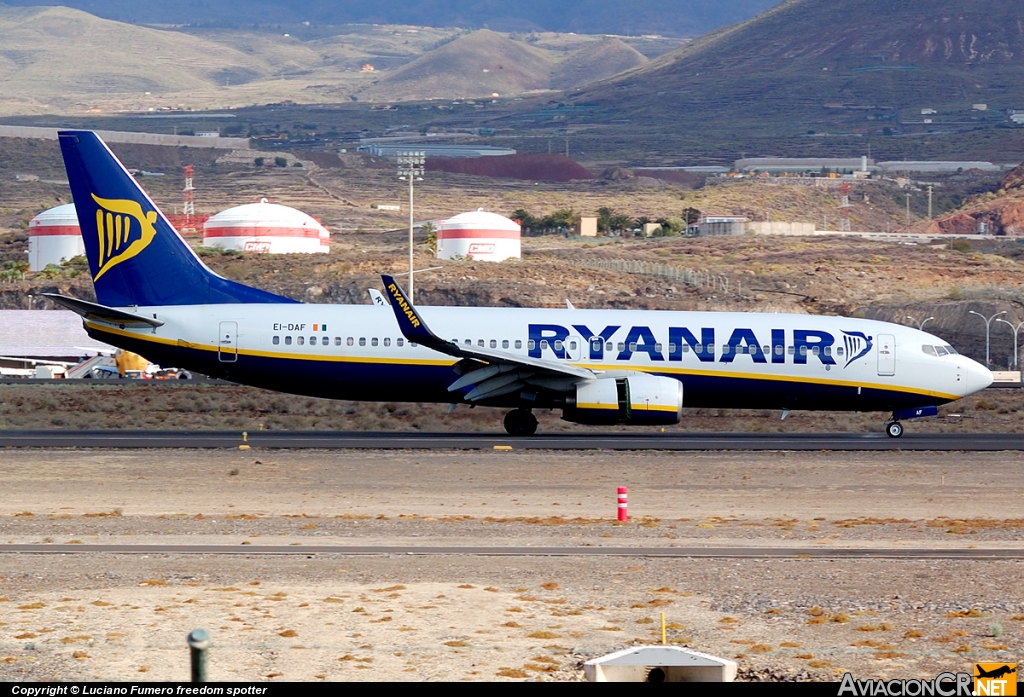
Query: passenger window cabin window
(276, 340)
(494, 343)
(766, 350)
(468, 342)
(558, 345)
(632, 346)
(610, 347)
(657, 347)
(350, 341)
(362, 341)
(622, 346)
(803, 350)
(792, 350)
(387, 341)
(543, 344)
(779, 350)
(815, 350)
(531, 344)
(519, 343)
(399, 341)
(337, 341)
(828, 350)
(300, 340)
(287, 341)
(504, 343)
(312, 341)
(373, 341)
(480, 343)
(839, 350)
(572, 344)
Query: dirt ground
(402, 617)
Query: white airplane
(157, 298)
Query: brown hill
(597, 61)
(528, 166)
(48, 53)
(861, 66)
(474, 65)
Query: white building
(53, 237)
(266, 227)
(479, 235)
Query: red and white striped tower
(844, 208)
(189, 208)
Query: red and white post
(623, 504)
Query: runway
(334, 440)
(465, 551)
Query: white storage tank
(53, 237)
(266, 227)
(479, 235)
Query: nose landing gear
(520, 422)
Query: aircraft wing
(492, 373)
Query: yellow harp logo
(123, 230)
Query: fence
(694, 277)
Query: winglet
(409, 321)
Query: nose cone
(976, 376)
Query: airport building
(480, 236)
(268, 228)
(53, 237)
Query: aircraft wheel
(520, 422)
(894, 429)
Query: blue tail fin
(135, 255)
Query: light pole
(923, 322)
(411, 167)
(988, 324)
(1015, 330)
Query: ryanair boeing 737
(156, 298)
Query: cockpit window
(930, 350)
(951, 350)
(941, 351)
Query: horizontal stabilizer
(102, 313)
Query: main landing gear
(520, 422)
(894, 429)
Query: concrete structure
(587, 227)
(651, 228)
(46, 334)
(379, 149)
(934, 166)
(267, 228)
(132, 137)
(659, 664)
(480, 236)
(53, 237)
(780, 228)
(805, 164)
(721, 225)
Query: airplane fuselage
(724, 360)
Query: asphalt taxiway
(976, 442)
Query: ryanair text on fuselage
(792, 346)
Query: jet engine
(636, 398)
